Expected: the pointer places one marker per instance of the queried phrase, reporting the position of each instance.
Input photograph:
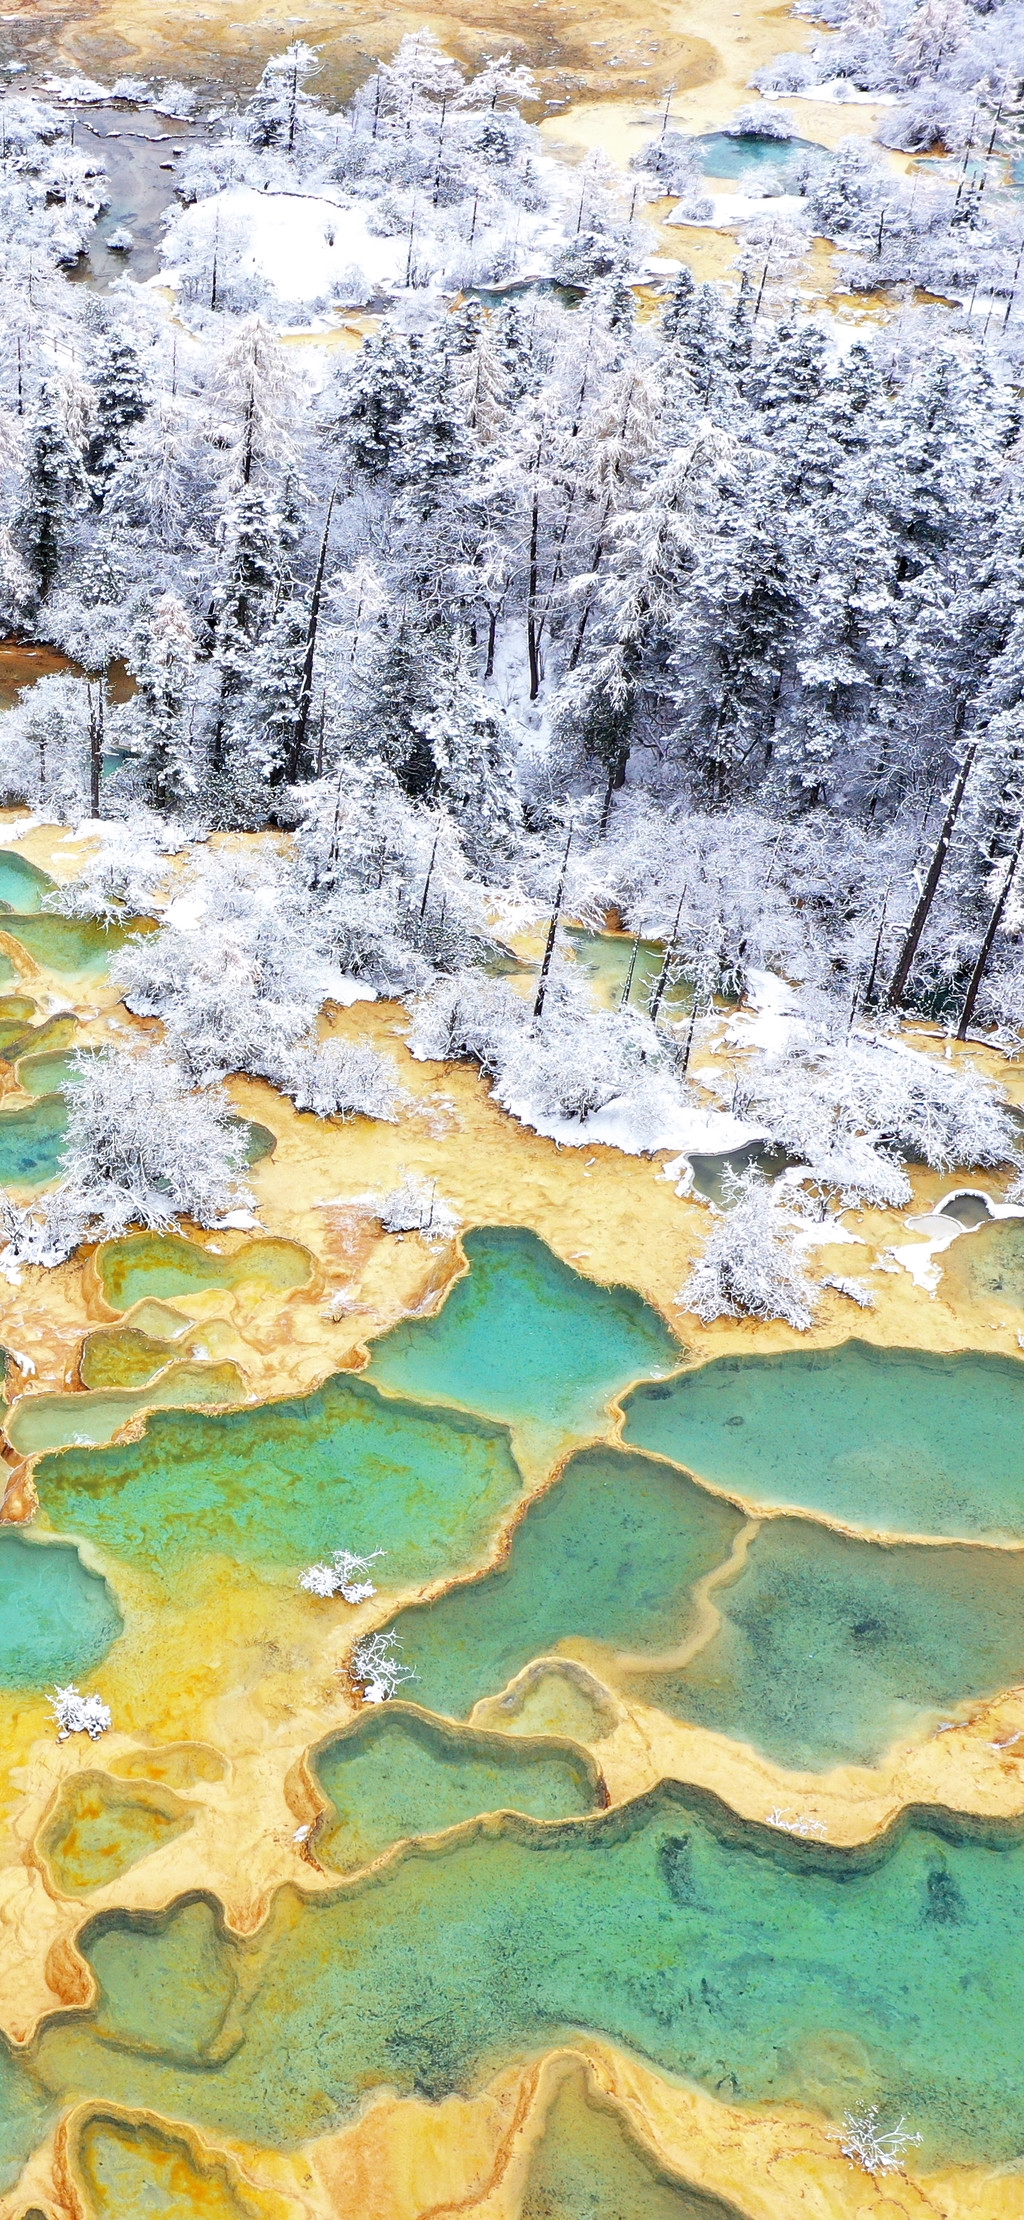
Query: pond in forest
(894, 1441)
(735, 154)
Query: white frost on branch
(339, 1577)
(877, 2150)
(752, 1265)
(416, 1207)
(378, 1668)
(78, 1714)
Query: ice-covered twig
(78, 1714)
(878, 2150)
(798, 1826)
(377, 1667)
(338, 1578)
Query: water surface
(586, 2166)
(891, 1440)
(99, 1830)
(56, 1617)
(524, 1338)
(396, 1775)
(610, 1554)
(766, 1969)
(832, 1648)
(283, 1484)
(159, 1265)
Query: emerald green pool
(22, 884)
(56, 1617)
(831, 1648)
(763, 1968)
(31, 1141)
(889, 1440)
(100, 1829)
(159, 1265)
(285, 1483)
(73, 947)
(587, 2167)
(611, 1553)
(524, 1338)
(395, 1775)
(91, 1418)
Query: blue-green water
(73, 947)
(524, 1338)
(160, 1265)
(737, 155)
(889, 1440)
(286, 1483)
(56, 1617)
(395, 1775)
(22, 884)
(610, 1553)
(831, 1648)
(32, 1139)
(765, 1969)
(586, 2167)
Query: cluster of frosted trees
(533, 606)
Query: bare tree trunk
(542, 983)
(628, 988)
(95, 746)
(898, 984)
(985, 950)
(532, 641)
(306, 687)
(670, 949)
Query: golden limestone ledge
(406, 2159)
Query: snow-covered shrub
(378, 1668)
(77, 1714)
(339, 1577)
(758, 120)
(125, 875)
(857, 1291)
(851, 1109)
(752, 1266)
(337, 1079)
(416, 1207)
(468, 1016)
(876, 2149)
(143, 1148)
(787, 73)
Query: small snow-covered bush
(378, 1668)
(852, 1109)
(77, 1714)
(752, 1267)
(337, 1079)
(416, 1207)
(877, 2150)
(143, 1148)
(339, 1577)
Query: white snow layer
(307, 249)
